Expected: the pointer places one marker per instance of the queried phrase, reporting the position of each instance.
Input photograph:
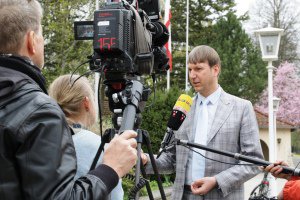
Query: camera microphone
(178, 115)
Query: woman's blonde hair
(69, 92)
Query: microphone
(237, 156)
(178, 115)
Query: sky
(243, 6)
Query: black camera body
(126, 40)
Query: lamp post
(269, 39)
(276, 102)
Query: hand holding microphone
(178, 115)
(277, 169)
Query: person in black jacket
(37, 155)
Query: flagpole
(187, 44)
(167, 22)
(168, 79)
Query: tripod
(126, 101)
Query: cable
(154, 92)
(190, 148)
(78, 68)
(99, 104)
(85, 74)
(136, 188)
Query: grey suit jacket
(234, 129)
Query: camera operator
(37, 155)
(292, 187)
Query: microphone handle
(286, 170)
(166, 141)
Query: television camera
(128, 38)
(128, 42)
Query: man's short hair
(204, 53)
(17, 17)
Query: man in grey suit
(218, 120)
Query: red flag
(167, 20)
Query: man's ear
(30, 42)
(216, 70)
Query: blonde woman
(76, 99)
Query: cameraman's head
(21, 30)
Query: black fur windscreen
(176, 119)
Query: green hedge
(155, 118)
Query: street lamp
(276, 102)
(269, 39)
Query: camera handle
(134, 93)
(131, 97)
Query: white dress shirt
(196, 163)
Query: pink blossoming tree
(286, 86)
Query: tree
(243, 73)
(286, 86)
(279, 14)
(62, 52)
(214, 23)
(202, 16)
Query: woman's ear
(86, 103)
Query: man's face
(203, 78)
(38, 57)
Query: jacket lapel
(223, 111)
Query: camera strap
(144, 59)
(143, 37)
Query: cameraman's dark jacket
(37, 155)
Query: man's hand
(203, 185)
(280, 195)
(275, 169)
(144, 158)
(121, 153)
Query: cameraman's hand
(276, 169)
(121, 153)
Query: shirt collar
(213, 98)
